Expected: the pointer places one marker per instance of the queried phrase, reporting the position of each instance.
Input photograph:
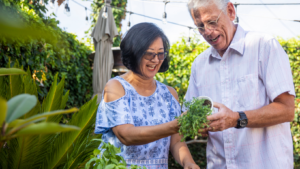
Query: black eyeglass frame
(154, 54)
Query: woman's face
(150, 67)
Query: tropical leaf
(11, 71)
(64, 100)
(57, 155)
(29, 84)
(45, 128)
(15, 83)
(19, 105)
(3, 110)
(54, 99)
(44, 115)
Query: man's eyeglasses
(151, 55)
(212, 25)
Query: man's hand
(191, 166)
(203, 132)
(222, 120)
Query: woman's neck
(139, 81)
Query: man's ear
(231, 11)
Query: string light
(189, 38)
(42, 2)
(52, 4)
(128, 24)
(164, 16)
(86, 16)
(236, 20)
(104, 15)
(67, 9)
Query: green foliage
(118, 15)
(292, 48)
(35, 139)
(11, 71)
(46, 56)
(181, 59)
(108, 158)
(195, 118)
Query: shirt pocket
(247, 92)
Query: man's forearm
(279, 111)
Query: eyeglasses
(212, 25)
(151, 55)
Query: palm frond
(53, 100)
(64, 100)
(15, 85)
(30, 88)
(84, 119)
(82, 151)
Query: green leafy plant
(108, 158)
(32, 139)
(195, 117)
(12, 127)
(46, 54)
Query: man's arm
(279, 111)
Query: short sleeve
(275, 70)
(112, 114)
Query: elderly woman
(137, 113)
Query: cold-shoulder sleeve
(112, 114)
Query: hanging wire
(279, 20)
(173, 23)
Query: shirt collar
(237, 43)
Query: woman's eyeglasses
(151, 55)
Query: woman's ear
(231, 11)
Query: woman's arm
(128, 134)
(181, 152)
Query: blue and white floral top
(132, 108)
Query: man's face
(221, 37)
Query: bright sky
(254, 18)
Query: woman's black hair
(137, 40)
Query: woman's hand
(191, 166)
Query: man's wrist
(236, 118)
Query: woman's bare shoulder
(113, 90)
(173, 92)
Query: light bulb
(128, 25)
(189, 41)
(86, 20)
(236, 20)
(67, 10)
(104, 15)
(164, 20)
(42, 2)
(52, 4)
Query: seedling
(195, 118)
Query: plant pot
(208, 98)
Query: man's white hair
(195, 4)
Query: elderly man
(248, 76)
